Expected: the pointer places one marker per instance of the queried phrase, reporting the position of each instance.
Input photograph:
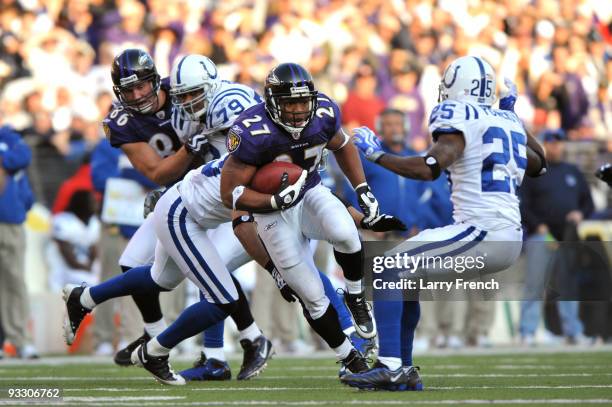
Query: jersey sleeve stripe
(220, 95)
(212, 109)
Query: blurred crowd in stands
(369, 55)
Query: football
(267, 179)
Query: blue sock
(193, 320)
(213, 336)
(137, 280)
(388, 315)
(410, 318)
(336, 301)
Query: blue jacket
(107, 162)
(420, 204)
(17, 197)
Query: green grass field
(502, 379)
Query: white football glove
(197, 144)
(288, 193)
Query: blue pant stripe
(437, 245)
(466, 247)
(211, 275)
(182, 251)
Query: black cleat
(353, 363)
(361, 313)
(380, 377)
(123, 357)
(256, 356)
(75, 312)
(158, 366)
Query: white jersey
(69, 228)
(228, 102)
(485, 179)
(200, 192)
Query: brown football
(267, 179)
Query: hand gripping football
(267, 179)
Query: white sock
(354, 287)
(343, 350)
(155, 349)
(391, 363)
(86, 300)
(251, 332)
(349, 331)
(155, 328)
(215, 353)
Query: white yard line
(102, 401)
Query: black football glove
(288, 294)
(197, 145)
(288, 193)
(151, 200)
(604, 173)
(384, 223)
(367, 203)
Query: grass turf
(501, 379)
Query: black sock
(327, 326)
(147, 303)
(351, 264)
(242, 313)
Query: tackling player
(486, 152)
(141, 125)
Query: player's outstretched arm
(445, 151)
(160, 170)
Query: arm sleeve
(18, 155)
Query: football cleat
(256, 356)
(207, 369)
(361, 313)
(158, 366)
(353, 363)
(367, 347)
(380, 377)
(123, 357)
(75, 312)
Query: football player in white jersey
(486, 152)
(212, 104)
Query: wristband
(433, 165)
(242, 219)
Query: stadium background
(55, 84)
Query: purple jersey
(256, 140)
(123, 127)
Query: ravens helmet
(290, 97)
(130, 69)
